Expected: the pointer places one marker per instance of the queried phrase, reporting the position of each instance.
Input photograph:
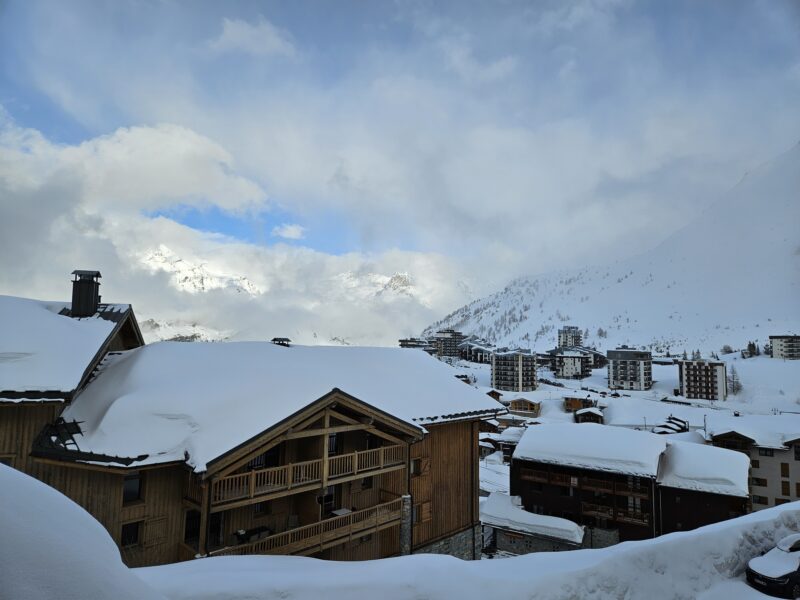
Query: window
(766, 452)
(270, 458)
(779, 501)
(754, 463)
(132, 487)
(758, 481)
(262, 509)
(761, 500)
(784, 469)
(131, 533)
(797, 489)
(797, 451)
(329, 500)
(366, 483)
(785, 488)
(421, 513)
(333, 444)
(416, 466)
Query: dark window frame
(126, 537)
(127, 497)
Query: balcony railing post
(252, 483)
(289, 476)
(381, 454)
(355, 463)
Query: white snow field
(731, 275)
(52, 548)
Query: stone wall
(465, 545)
(517, 543)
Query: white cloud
(259, 39)
(289, 231)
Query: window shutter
(425, 466)
(425, 512)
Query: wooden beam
(293, 435)
(327, 428)
(204, 514)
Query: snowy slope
(51, 548)
(731, 275)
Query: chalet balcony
(633, 516)
(597, 510)
(637, 491)
(252, 486)
(597, 485)
(324, 534)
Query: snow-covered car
(777, 572)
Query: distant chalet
(623, 484)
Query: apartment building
(703, 379)
(786, 347)
(514, 370)
(772, 443)
(630, 369)
(447, 342)
(569, 335)
(572, 364)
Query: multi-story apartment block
(786, 347)
(476, 350)
(703, 379)
(623, 484)
(447, 342)
(569, 335)
(772, 443)
(418, 343)
(572, 364)
(514, 370)
(630, 369)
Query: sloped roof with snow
(44, 351)
(204, 399)
(593, 446)
(766, 431)
(502, 510)
(705, 468)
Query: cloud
(289, 231)
(260, 39)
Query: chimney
(85, 293)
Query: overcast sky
(315, 147)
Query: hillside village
(185, 451)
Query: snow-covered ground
(52, 548)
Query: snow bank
(168, 398)
(703, 468)
(41, 350)
(502, 510)
(593, 446)
(51, 548)
(676, 566)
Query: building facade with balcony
(630, 369)
(703, 379)
(786, 347)
(447, 341)
(250, 448)
(569, 336)
(572, 364)
(514, 370)
(615, 481)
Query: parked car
(777, 572)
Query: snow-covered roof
(501, 510)
(511, 434)
(704, 468)
(44, 351)
(593, 446)
(573, 354)
(591, 410)
(634, 412)
(766, 431)
(171, 398)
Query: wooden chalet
(525, 408)
(49, 351)
(624, 484)
(249, 454)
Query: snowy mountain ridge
(732, 274)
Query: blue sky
(483, 140)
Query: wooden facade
(637, 507)
(328, 483)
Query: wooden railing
(600, 485)
(560, 479)
(633, 516)
(193, 490)
(321, 534)
(598, 510)
(259, 482)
